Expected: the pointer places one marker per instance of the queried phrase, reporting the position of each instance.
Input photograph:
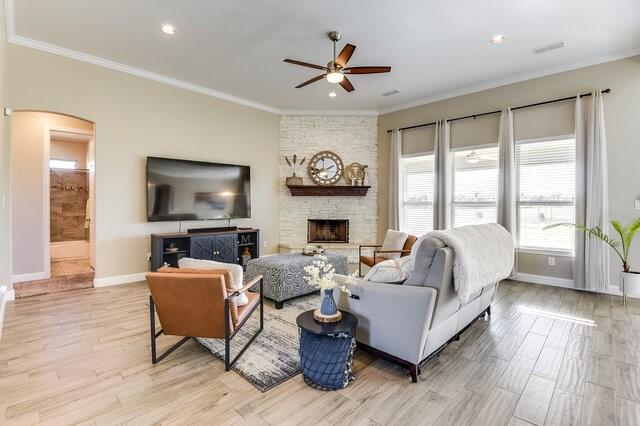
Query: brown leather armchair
(200, 303)
(376, 258)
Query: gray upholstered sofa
(410, 321)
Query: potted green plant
(630, 279)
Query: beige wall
(69, 150)
(134, 118)
(623, 129)
(5, 255)
(29, 134)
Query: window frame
(401, 202)
(452, 167)
(550, 251)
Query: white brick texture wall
(354, 139)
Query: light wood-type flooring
(546, 356)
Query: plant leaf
(288, 162)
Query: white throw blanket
(482, 256)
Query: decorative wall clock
(325, 168)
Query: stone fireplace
(327, 231)
(354, 138)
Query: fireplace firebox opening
(327, 231)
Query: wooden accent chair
(200, 303)
(376, 258)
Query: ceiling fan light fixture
(335, 77)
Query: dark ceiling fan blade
(305, 64)
(313, 80)
(345, 55)
(346, 85)
(366, 70)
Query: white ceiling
(436, 48)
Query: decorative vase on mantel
(294, 180)
(328, 311)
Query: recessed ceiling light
(169, 29)
(498, 38)
(332, 95)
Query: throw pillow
(394, 240)
(393, 271)
(234, 270)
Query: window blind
(474, 186)
(545, 184)
(417, 194)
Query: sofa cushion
(234, 270)
(423, 253)
(394, 240)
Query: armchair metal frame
(375, 254)
(228, 335)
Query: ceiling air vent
(548, 47)
(391, 92)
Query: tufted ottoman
(284, 274)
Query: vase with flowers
(322, 274)
(293, 162)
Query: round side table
(326, 350)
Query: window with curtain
(474, 181)
(546, 191)
(417, 194)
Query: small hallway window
(62, 164)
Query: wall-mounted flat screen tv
(196, 190)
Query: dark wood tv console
(221, 246)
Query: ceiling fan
(336, 70)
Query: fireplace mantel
(329, 191)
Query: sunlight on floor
(554, 315)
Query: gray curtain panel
(395, 180)
(442, 190)
(591, 260)
(506, 173)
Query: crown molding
(116, 66)
(518, 78)
(366, 112)
(13, 38)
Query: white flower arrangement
(321, 274)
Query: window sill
(544, 252)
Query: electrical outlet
(637, 204)
(551, 261)
(149, 257)
(264, 243)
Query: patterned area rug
(273, 356)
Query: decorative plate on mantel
(325, 168)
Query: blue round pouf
(326, 359)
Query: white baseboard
(543, 279)
(119, 279)
(560, 282)
(29, 277)
(5, 296)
